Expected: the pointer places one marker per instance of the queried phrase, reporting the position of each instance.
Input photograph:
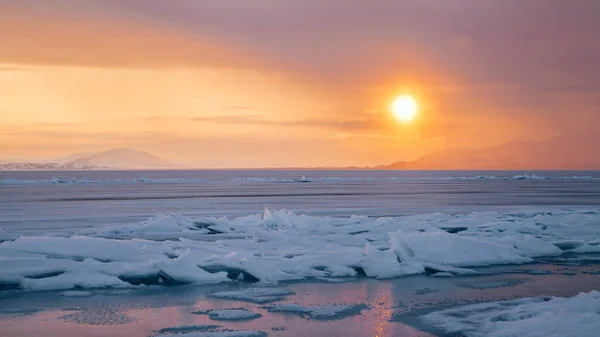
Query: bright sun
(404, 108)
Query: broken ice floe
(233, 314)
(282, 246)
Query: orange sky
(278, 83)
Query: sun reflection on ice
(383, 313)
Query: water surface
(393, 305)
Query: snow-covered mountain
(118, 158)
(109, 159)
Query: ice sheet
(300, 179)
(534, 317)
(85, 180)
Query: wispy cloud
(54, 125)
(98, 34)
(357, 124)
(11, 68)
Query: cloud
(76, 34)
(342, 42)
(532, 64)
(357, 124)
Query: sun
(405, 108)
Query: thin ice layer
(206, 331)
(302, 179)
(319, 312)
(232, 314)
(256, 295)
(241, 333)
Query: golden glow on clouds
(202, 116)
(218, 117)
(88, 95)
(226, 117)
(74, 79)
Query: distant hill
(72, 156)
(117, 158)
(562, 153)
(110, 159)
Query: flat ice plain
(261, 230)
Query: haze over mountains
(118, 158)
(561, 153)
(109, 159)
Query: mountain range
(116, 158)
(561, 153)
(109, 159)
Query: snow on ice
(534, 317)
(282, 246)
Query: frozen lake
(376, 252)
(45, 205)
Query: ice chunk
(80, 247)
(528, 245)
(385, 264)
(529, 177)
(188, 328)
(452, 250)
(185, 269)
(232, 315)
(542, 317)
(72, 280)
